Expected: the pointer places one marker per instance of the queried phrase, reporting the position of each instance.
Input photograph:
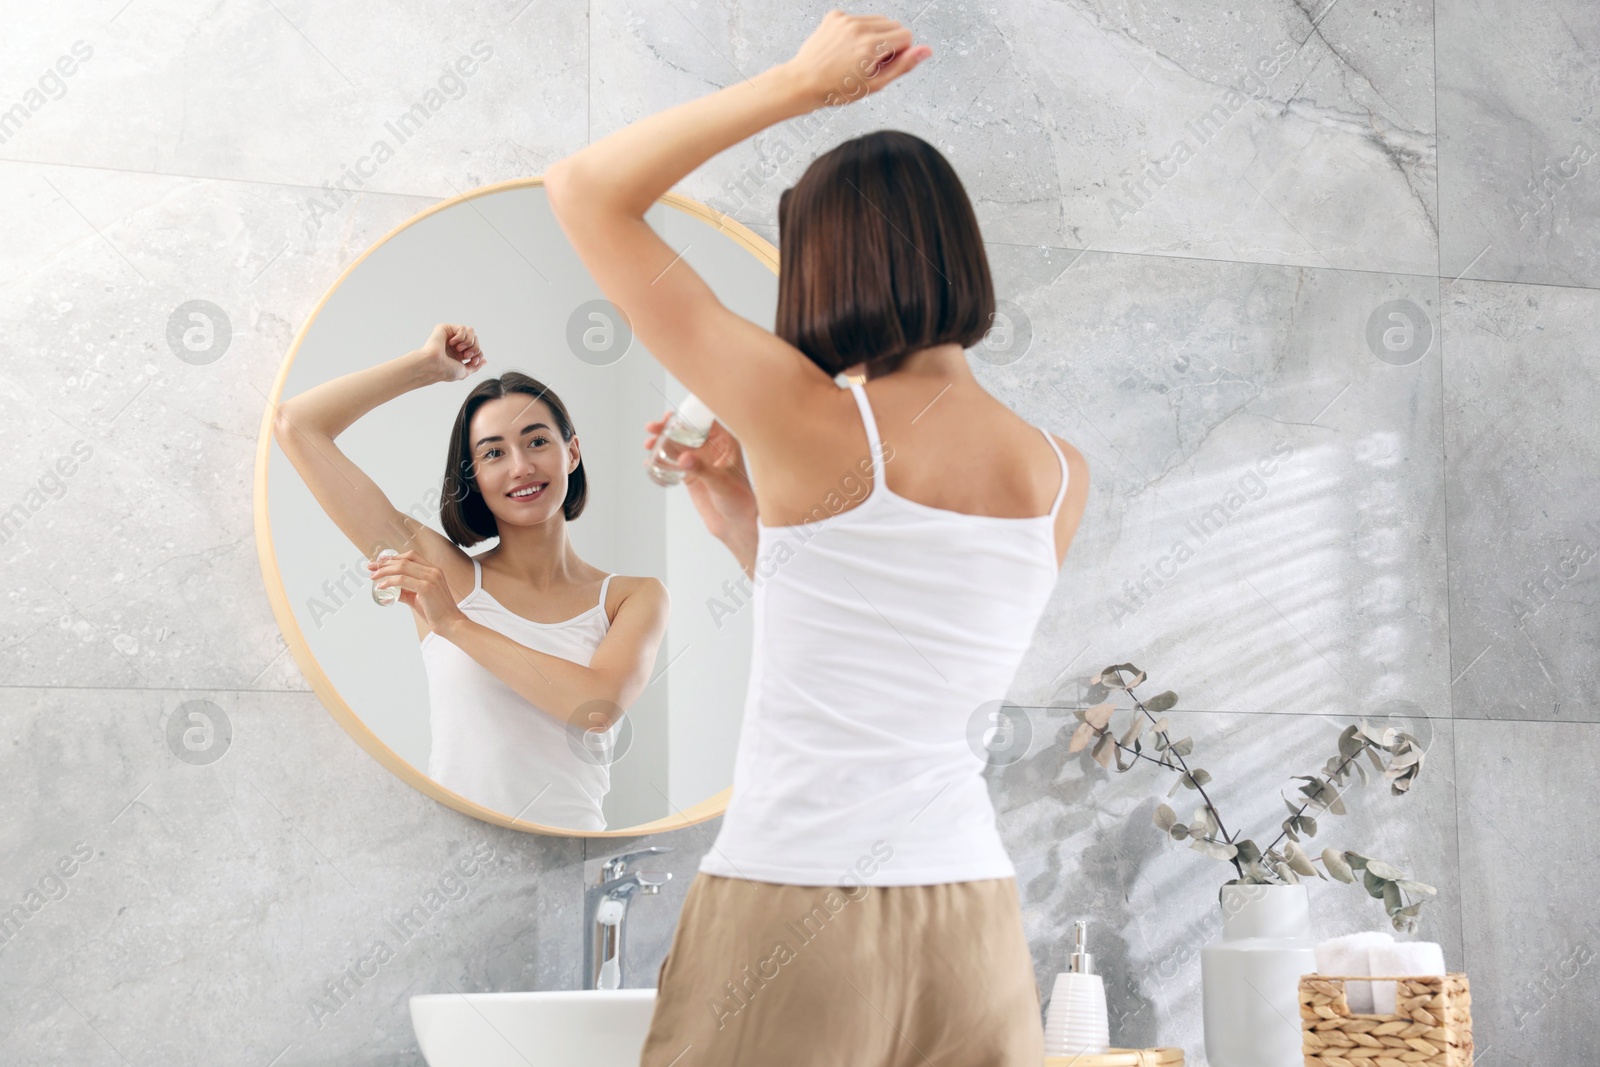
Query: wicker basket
(1122, 1057)
(1431, 1027)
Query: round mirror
(496, 260)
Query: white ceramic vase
(1250, 977)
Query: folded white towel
(1352, 954)
(1401, 958)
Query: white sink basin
(562, 1028)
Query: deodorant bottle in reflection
(687, 428)
(1077, 1023)
(388, 594)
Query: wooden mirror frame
(278, 596)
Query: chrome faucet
(605, 906)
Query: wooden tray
(1122, 1057)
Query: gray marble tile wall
(1354, 245)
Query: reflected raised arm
(306, 425)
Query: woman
(532, 654)
(857, 905)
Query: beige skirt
(865, 976)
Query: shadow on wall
(1091, 858)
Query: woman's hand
(848, 57)
(714, 474)
(451, 352)
(422, 589)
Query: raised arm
(756, 382)
(305, 427)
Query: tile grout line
(1290, 266)
(1444, 469)
(1063, 708)
(1164, 257)
(267, 182)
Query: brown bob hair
(880, 256)
(463, 512)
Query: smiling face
(519, 460)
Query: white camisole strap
(1061, 494)
(477, 582)
(876, 445)
(873, 441)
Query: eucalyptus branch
(1144, 756)
(1215, 815)
(1187, 775)
(1401, 896)
(1331, 780)
(1223, 830)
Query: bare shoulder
(813, 442)
(1077, 467)
(1076, 501)
(644, 594)
(808, 403)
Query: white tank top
(492, 746)
(878, 632)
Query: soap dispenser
(1076, 1023)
